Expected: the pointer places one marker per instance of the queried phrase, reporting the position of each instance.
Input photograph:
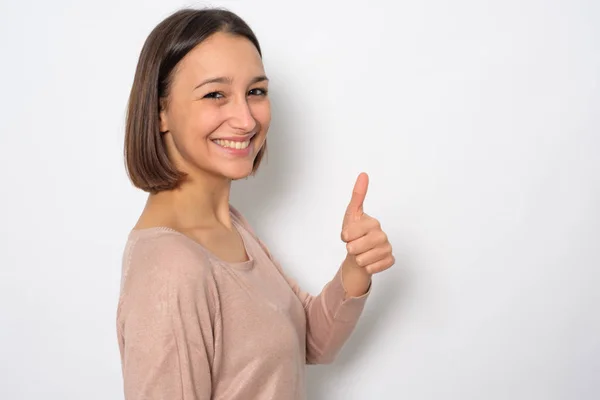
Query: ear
(163, 121)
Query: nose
(241, 117)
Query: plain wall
(477, 122)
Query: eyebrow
(228, 80)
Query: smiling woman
(174, 119)
(205, 311)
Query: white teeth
(231, 144)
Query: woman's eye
(214, 95)
(259, 92)
(253, 92)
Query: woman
(205, 312)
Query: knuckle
(384, 236)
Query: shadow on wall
(256, 196)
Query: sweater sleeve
(166, 325)
(330, 317)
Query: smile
(231, 144)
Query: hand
(366, 243)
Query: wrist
(355, 279)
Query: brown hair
(146, 160)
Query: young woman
(205, 312)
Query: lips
(236, 138)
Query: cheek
(262, 113)
(203, 121)
(190, 127)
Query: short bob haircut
(146, 160)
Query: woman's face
(217, 113)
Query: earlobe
(164, 126)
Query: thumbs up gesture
(366, 243)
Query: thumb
(355, 208)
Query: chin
(238, 173)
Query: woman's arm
(330, 316)
(166, 325)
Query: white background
(477, 121)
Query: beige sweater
(192, 327)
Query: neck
(198, 202)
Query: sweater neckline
(248, 264)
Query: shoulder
(163, 250)
(165, 279)
(163, 261)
